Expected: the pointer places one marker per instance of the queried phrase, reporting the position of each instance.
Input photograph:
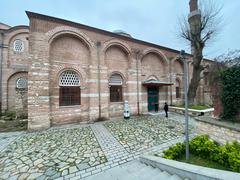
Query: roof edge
(105, 32)
(51, 18)
(18, 27)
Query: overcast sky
(154, 21)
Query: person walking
(156, 107)
(166, 109)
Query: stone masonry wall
(52, 46)
(14, 65)
(218, 133)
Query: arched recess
(69, 48)
(67, 51)
(157, 52)
(116, 56)
(178, 88)
(52, 34)
(15, 31)
(178, 66)
(153, 63)
(15, 57)
(17, 92)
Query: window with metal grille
(69, 92)
(18, 46)
(115, 83)
(21, 83)
(115, 79)
(69, 78)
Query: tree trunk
(192, 91)
(197, 69)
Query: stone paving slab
(139, 133)
(79, 151)
(51, 154)
(7, 138)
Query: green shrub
(233, 155)
(204, 147)
(230, 93)
(227, 155)
(9, 115)
(174, 152)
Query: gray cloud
(150, 20)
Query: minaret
(194, 19)
(193, 5)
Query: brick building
(59, 72)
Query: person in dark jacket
(156, 107)
(166, 109)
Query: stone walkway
(7, 138)
(78, 151)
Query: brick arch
(117, 55)
(120, 74)
(82, 74)
(14, 103)
(152, 77)
(69, 47)
(60, 30)
(157, 52)
(153, 63)
(13, 57)
(178, 60)
(118, 43)
(14, 33)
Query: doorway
(152, 98)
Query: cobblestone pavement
(139, 133)
(7, 138)
(78, 151)
(51, 154)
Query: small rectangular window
(69, 96)
(115, 93)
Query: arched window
(115, 83)
(69, 92)
(21, 83)
(178, 89)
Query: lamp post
(182, 54)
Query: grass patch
(196, 107)
(14, 125)
(196, 160)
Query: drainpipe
(137, 66)
(99, 86)
(1, 64)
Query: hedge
(227, 155)
(230, 93)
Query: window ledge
(72, 106)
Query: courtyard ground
(78, 151)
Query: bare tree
(202, 25)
